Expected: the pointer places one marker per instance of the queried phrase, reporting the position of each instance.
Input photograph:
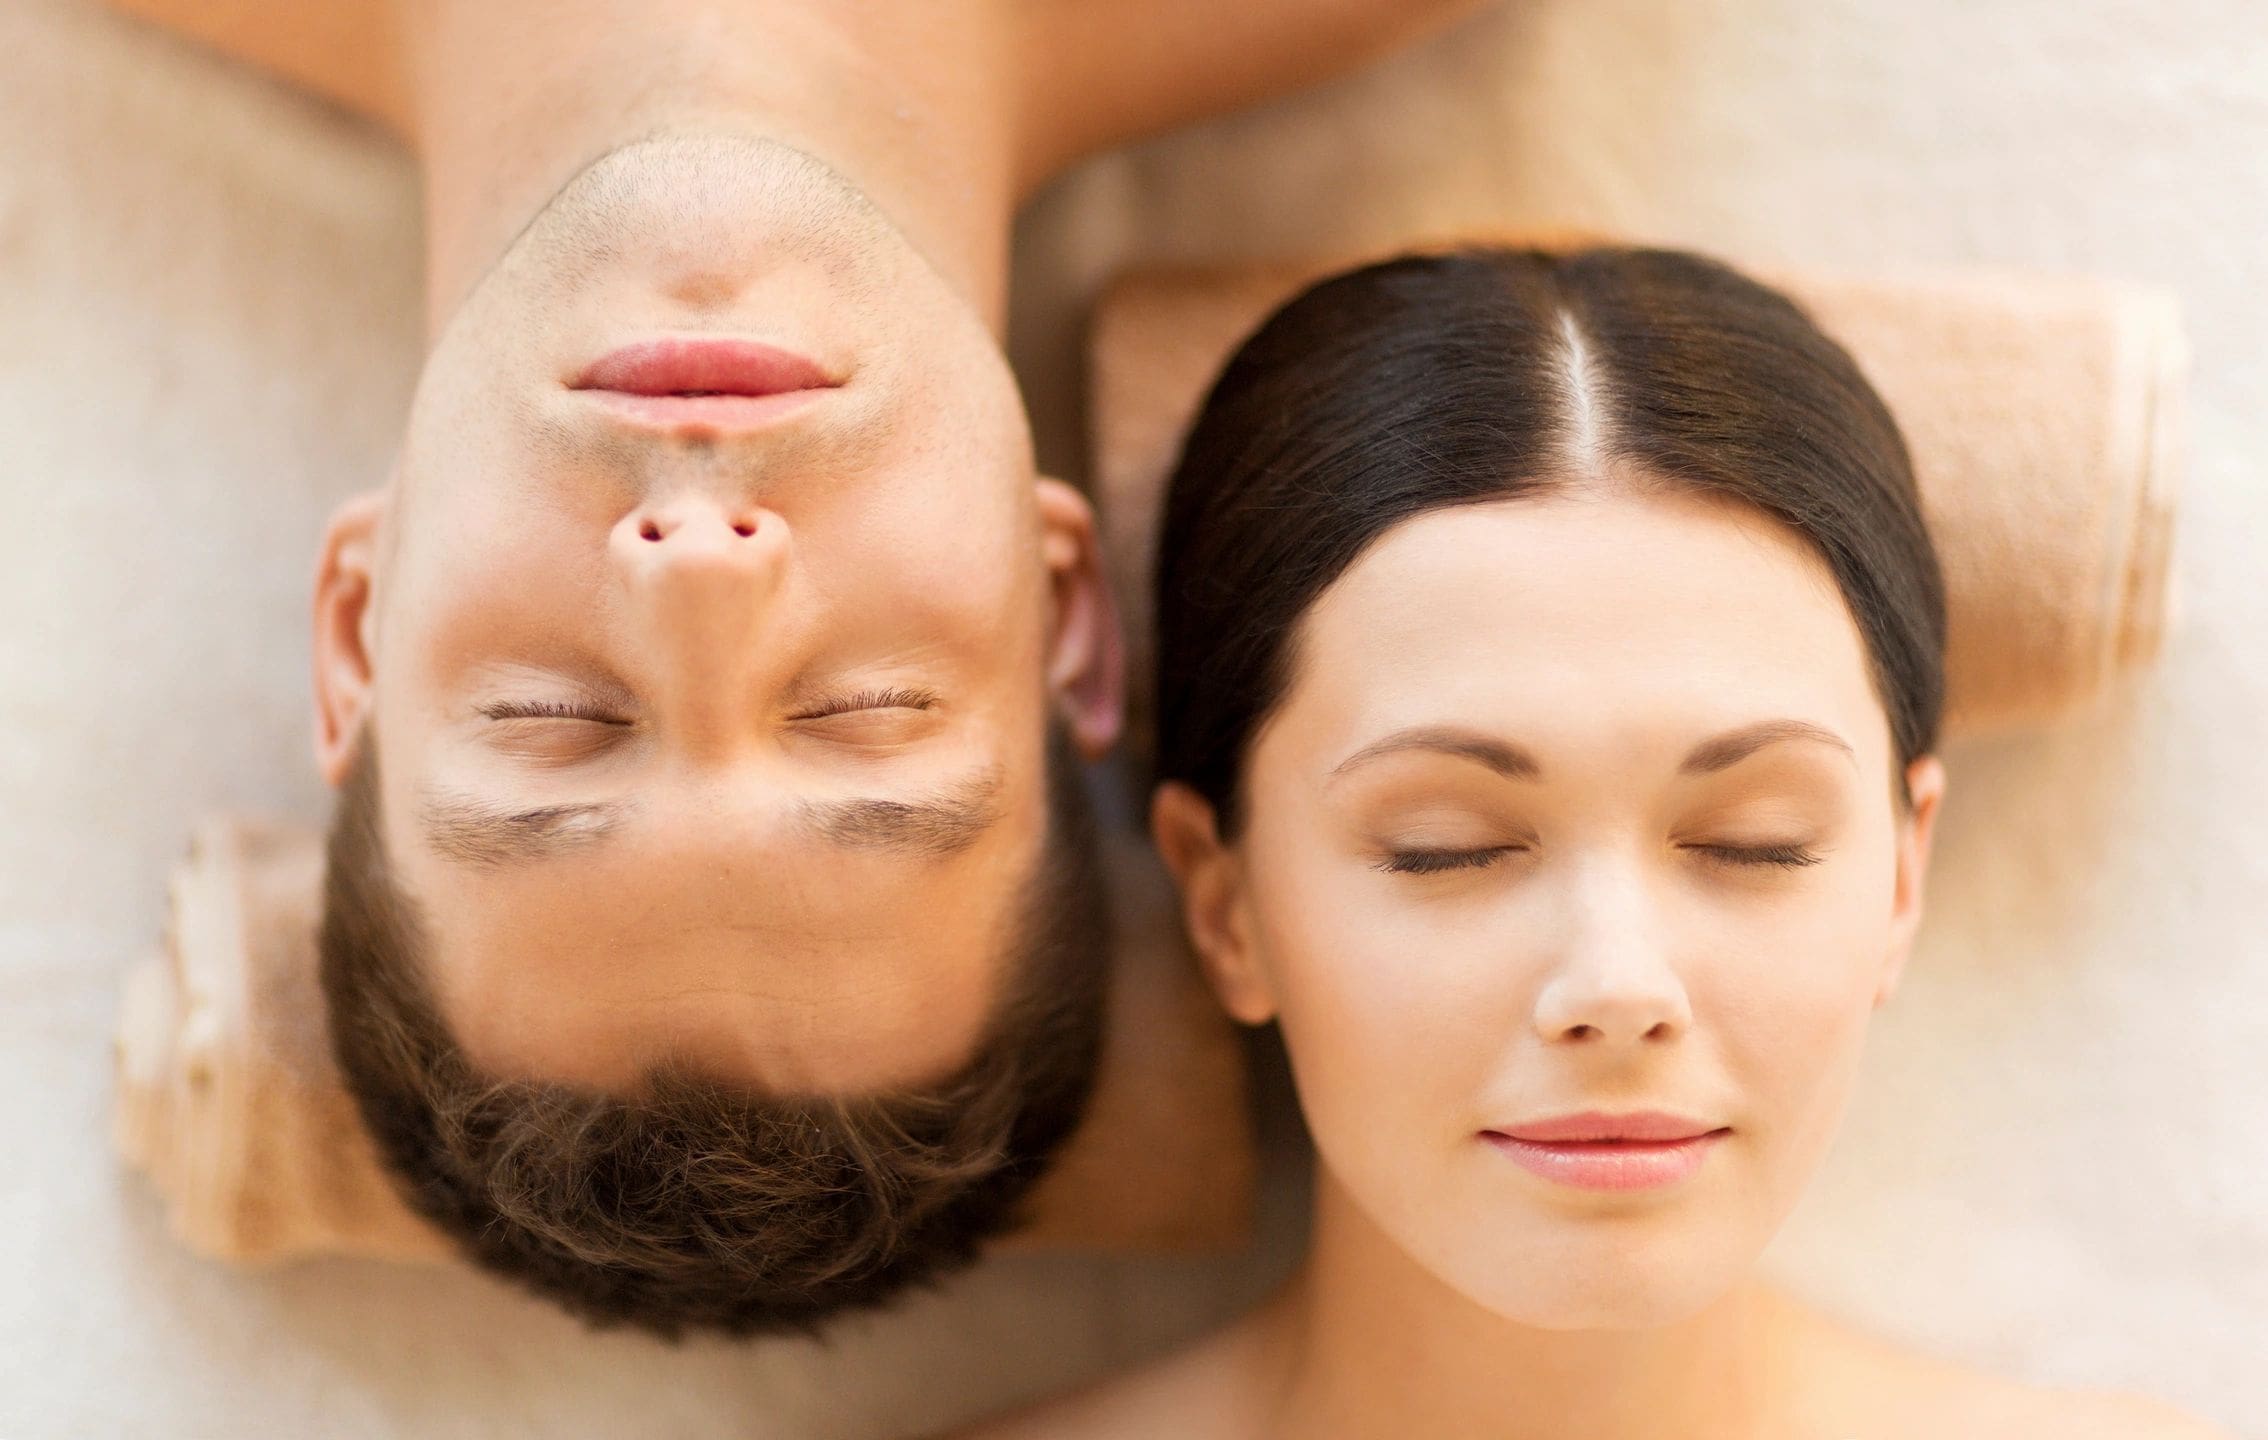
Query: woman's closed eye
(1422, 861)
(1789, 856)
(1441, 860)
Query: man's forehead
(731, 1004)
(789, 967)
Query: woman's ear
(344, 622)
(1925, 783)
(1086, 657)
(1212, 900)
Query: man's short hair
(701, 1204)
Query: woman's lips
(1618, 1164)
(704, 382)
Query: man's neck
(1374, 1345)
(917, 106)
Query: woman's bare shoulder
(2123, 1415)
(1995, 1407)
(1870, 1389)
(1206, 1391)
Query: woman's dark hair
(1487, 374)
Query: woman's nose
(1613, 980)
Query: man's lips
(702, 366)
(704, 383)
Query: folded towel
(2042, 413)
(229, 1101)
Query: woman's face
(1577, 803)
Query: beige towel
(2043, 416)
(228, 1099)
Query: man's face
(713, 727)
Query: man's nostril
(743, 528)
(649, 531)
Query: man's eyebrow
(458, 827)
(1722, 752)
(1505, 759)
(943, 823)
(474, 832)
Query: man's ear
(1086, 654)
(1213, 903)
(344, 624)
(1925, 782)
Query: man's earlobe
(1925, 784)
(345, 621)
(1212, 901)
(1086, 652)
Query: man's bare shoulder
(343, 50)
(1107, 72)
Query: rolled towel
(227, 1096)
(2043, 415)
(229, 1101)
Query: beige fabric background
(2058, 1160)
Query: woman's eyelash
(889, 698)
(549, 710)
(1435, 862)
(1791, 857)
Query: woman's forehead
(1545, 604)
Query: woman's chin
(1610, 1297)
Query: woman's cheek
(1792, 1020)
(1388, 1012)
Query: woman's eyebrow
(1718, 752)
(1504, 758)
(1722, 752)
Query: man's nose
(1613, 981)
(702, 579)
